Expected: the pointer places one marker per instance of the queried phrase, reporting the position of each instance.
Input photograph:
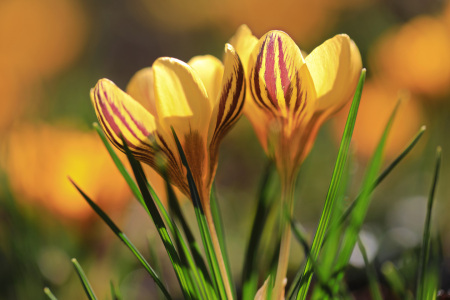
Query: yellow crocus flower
(201, 100)
(289, 96)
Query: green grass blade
(153, 256)
(387, 171)
(187, 262)
(125, 240)
(49, 294)
(371, 274)
(134, 188)
(202, 223)
(115, 295)
(303, 284)
(204, 278)
(395, 281)
(263, 207)
(85, 282)
(300, 235)
(215, 210)
(357, 217)
(158, 221)
(426, 242)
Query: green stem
(287, 204)
(217, 249)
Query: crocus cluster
(288, 95)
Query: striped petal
(181, 98)
(120, 115)
(228, 105)
(141, 88)
(279, 79)
(335, 67)
(210, 70)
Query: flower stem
(287, 203)
(218, 251)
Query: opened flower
(289, 97)
(201, 100)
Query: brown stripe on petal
(300, 102)
(223, 100)
(226, 119)
(166, 149)
(255, 84)
(238, 98)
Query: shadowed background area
(52, 52)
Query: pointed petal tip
(229, 48)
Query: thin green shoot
(49, 294)
(426, 241)
(371, 273)
(124, 239)
(302, 286)
(84, 281)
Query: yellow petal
(335, 67)
(119, 114)
(181, 98)
(141, 88)
(279, 80)
(210, 70)
(244, 42)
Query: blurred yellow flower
(39, 160)
(40, 37)
(415, 56)
(298, 17)
(377, 103)
(291, 96)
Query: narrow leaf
(215, 210)
(114, 293)
(263, 207)
(371, 273)
(202, 223)
(84, 281)
(386, 171)
(49, 294)
(134, 188)
(124, 239)
(426, 242)
(157, 220)
(395, 280)
(357, 217)
(302, 286)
